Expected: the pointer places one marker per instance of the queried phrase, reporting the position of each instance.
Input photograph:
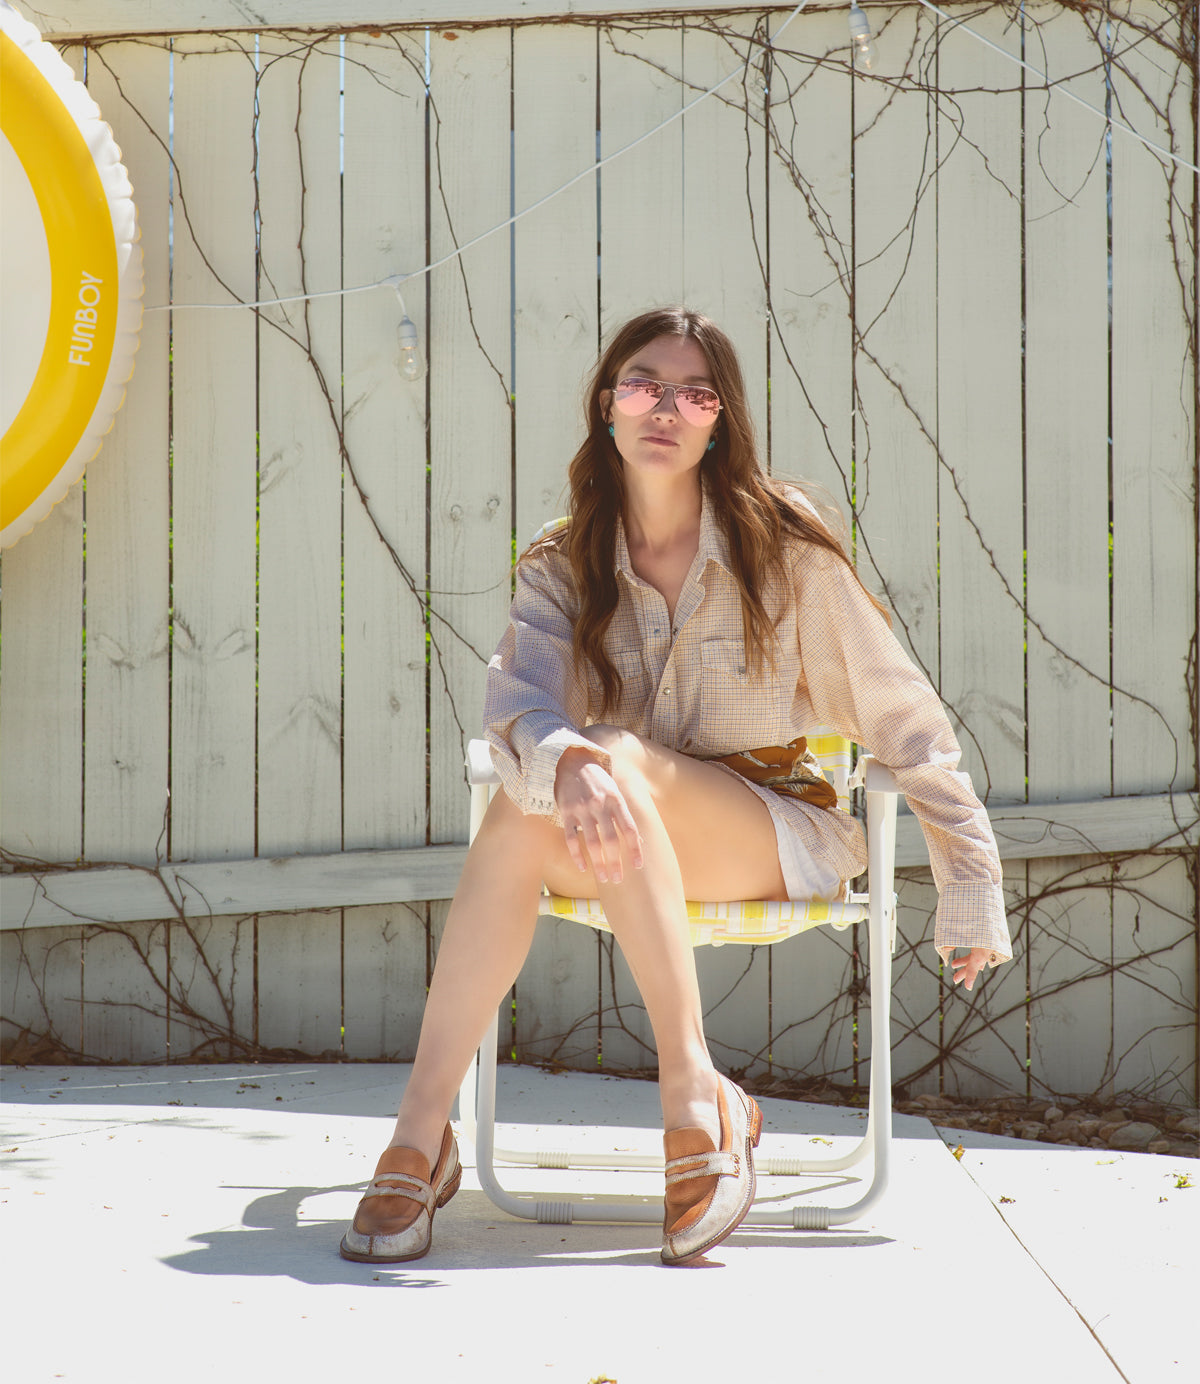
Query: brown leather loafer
(394, 1220)
(709, 1190)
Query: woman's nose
(662, 405)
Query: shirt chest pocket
(636, 689)
(738, 711)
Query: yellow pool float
(70, 277)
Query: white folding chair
(748, 922)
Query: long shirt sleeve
(535, 702)
(860, 680)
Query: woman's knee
(627, 751)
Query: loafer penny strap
(385, 1186)
(718, 1163)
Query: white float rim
(63, 453)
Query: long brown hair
(753, 510)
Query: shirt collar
(712, 547)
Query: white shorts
(805, 875)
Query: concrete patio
(182, 1224)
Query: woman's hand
(967, 968)
(597, 823)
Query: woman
(690, 611)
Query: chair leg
(552, 1211)
(879, 1108)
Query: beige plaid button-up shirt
(686, 686)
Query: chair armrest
(480, 769)
(873, 776)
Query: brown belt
(790, 770)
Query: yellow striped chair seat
(752, 922)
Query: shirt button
(666, 691)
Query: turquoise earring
(612, 432)
(712, 442)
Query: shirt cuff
(972, 915)
(542, 767)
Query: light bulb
(412, 362)
(862, 51)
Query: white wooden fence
(238, 671)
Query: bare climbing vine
(937, 1040)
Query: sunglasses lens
(635, 397)
(699, 406)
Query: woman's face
(662, 441)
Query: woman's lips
(660, 440)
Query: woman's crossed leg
(703, 834)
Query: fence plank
(299, 466)
(980, 514)
(1154, 988)
(1071, 955)
(735, 988)
(139, 16)
(469, 387)
(626, 1038)
(347, 878)
(42, 989)
(128, 505)
(1066, 371)
(809, 258)
(555, 323)
(558, 996)
(895, 362)
(812, 1006)
(1071, 940)
(125, 974)
(212, 989)
(1154, 532)
(41, 725)
(918, 991)
(724, 190)
(895, 421)
(383, 981)
(980, 497)
(213, 473)
(641, 194)
(300, 983)
(985, 1032)
(385, 722)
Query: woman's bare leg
(488, 933)
(705, 835)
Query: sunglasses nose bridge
(661, 401)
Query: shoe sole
(443, 1197)
(753, 1134)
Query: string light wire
(395, 280)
